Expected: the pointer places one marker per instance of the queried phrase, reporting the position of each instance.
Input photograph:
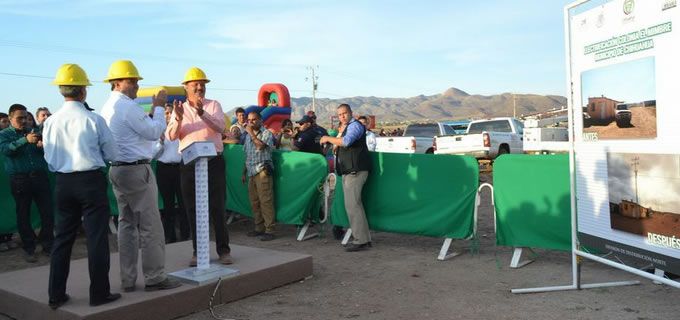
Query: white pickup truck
(484, 139)
(417, 138)
(546, 140)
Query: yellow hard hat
(71, 75)
(122, 69)
(194, 74)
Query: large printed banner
(297, 184)
(624, 68)
(430, 195)
(532, 199)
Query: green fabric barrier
(297, 180)
(533, 203)
(423, 194)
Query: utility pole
(514, 106)
(315, 85)
(636, 162)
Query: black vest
(354, 157)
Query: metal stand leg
(444, 251)
(112, 226)
(302, 237)
(230, 219)
(659, 273)
(348, 234)
(517, 256)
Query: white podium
(199, 152)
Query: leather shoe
(163, 285)
(358, 247)
(54, 304)
(193, 262)
(110, 298)
(254, 233)
(131, 288)
(225, 258)
(267, 237)
(30, 257)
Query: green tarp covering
(297, 194)
(533, 204)
(423, 194)
(297, 184)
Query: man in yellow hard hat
(133, 180)
(201, 119)
(77, 145)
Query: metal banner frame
(577, 253)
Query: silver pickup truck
(417, 138)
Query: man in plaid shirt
(258, 146)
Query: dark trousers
(81, 195)
(170, 188)
(217, 189)
(27, 188)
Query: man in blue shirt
(353, 164)
(27, 171)
(77, 146)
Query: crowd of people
(77, 144)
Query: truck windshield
(428, 130)
(490, 126)
(622, 107)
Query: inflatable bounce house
(174, 93)
(273, 104)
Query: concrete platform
(23, 293)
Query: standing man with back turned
(201, 119)
(353, 164)
(77, 146)
(133, 180)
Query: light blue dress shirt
(75, 139)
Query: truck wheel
(503, 150)
(429, 151)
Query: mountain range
(452, 104)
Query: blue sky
(361, 48)
(621, 82)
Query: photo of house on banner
(619, 101)
(643, 196)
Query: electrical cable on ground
(212, 297)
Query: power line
(22, 75)
(95, 52)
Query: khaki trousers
(261, 194)
(139, 223)
(352, 184)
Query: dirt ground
(400, 278)
(643, 126)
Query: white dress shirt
(370, 140)
(75, 139)
(168, 150)
(134, 131)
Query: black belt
(120, 163)
(169, 163)
(31, 174)
(80, 172)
